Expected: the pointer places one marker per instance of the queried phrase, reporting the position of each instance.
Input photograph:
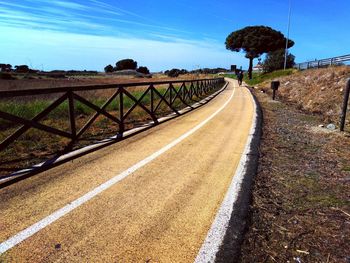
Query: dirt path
(300, 210)
(159, 213)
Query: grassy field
(261, 77)
(38, 83)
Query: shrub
(173, 73)
(143, 70)
(5, 67)
(275, 61)
(22, 69)
(109, 69)
(183, 71)
(126, 64)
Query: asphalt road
(159, 211)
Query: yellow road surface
(160, 213)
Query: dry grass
(317, 91)
(20, 84)
(300, 210)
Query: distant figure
(240, 76)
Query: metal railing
(323, 62)
(151, 100)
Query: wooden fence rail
(174, 96)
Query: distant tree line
(126, 64)
(173, 73)
(17, 69)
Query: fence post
(345, 105)
(121, 111)
(171, 95)
(71, 115)
(152, 99)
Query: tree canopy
(126, 64)
(143, 70)
(255, 41)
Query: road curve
(160, 212)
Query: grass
(261, 77)
(29, 109)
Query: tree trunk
(250, 68)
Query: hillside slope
(316, 90)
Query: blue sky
(62, 34)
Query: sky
(190, 34)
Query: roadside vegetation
(316, 91)
(300, 209)
(258, 77)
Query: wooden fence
(152, 100)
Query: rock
(321, 126)
(331, 127)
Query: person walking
(240, 77)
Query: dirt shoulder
(300, 210)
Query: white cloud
(74, 17)
(58, 50)
(69, 5)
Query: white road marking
(31, 230)
(217, 231)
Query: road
(159, 211)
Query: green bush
(173, 73)
(109, 69)
(143, 70)
(275, 61)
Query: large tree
(255, 41)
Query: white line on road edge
(31, 230)
(217, 231)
